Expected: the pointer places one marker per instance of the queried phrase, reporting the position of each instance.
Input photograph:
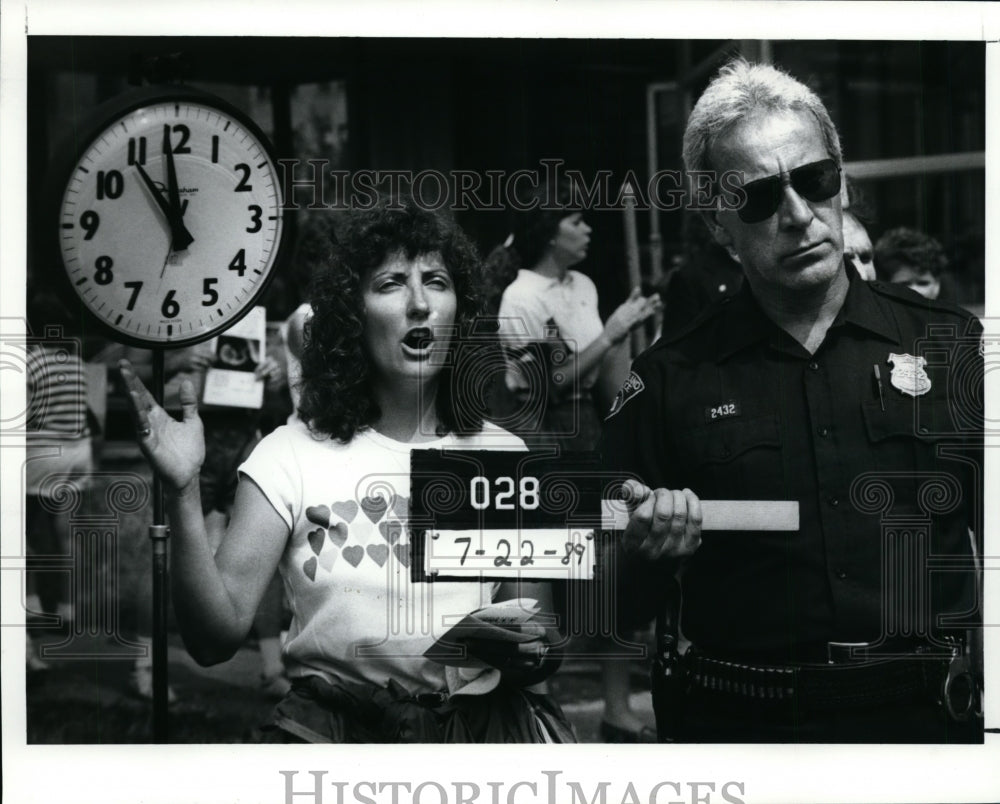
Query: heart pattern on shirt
(353, 554)
(374, 507)
(338, 534)
(346, 510)
(318, 515)
(316, 540)
(390, 530)
(378, 553)
(387, 514)
(327, 558)
(402, 553)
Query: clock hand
(173, 195)
(165, 261)
(161, 202)
(178, 232)
(181, 236)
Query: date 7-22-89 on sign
(486, 515)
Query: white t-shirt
(356, 614)
(540, 308)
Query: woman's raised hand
(175, 449)
(632, 312)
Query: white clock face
(171, 221)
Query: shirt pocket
(732, 459)
(904, 420)
(903, 453)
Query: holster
(669, 679)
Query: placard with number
(486, 514)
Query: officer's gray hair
(740, 89)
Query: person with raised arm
(325, 498)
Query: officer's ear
(719, 233)
(845, 196)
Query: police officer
(859, 401)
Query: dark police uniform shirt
(888, 489)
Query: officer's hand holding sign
(663, 523)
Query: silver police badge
(908, 374)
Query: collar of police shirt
(745, 323)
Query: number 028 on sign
(480, 515)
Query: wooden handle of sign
(721, 515)
(632, 261)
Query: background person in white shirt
(565, 365)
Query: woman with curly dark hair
(343, 390)
(325, 500)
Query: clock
(170, 216)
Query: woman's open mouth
(417, 342)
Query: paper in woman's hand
(499, 627)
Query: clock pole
(143, 160)
(159, 533)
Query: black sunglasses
(816, 181)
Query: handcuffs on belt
(957, 692)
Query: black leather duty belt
(820, 687)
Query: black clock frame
(60, 174)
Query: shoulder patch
(631, 388)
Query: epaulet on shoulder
(911, 298)
(708, 313)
